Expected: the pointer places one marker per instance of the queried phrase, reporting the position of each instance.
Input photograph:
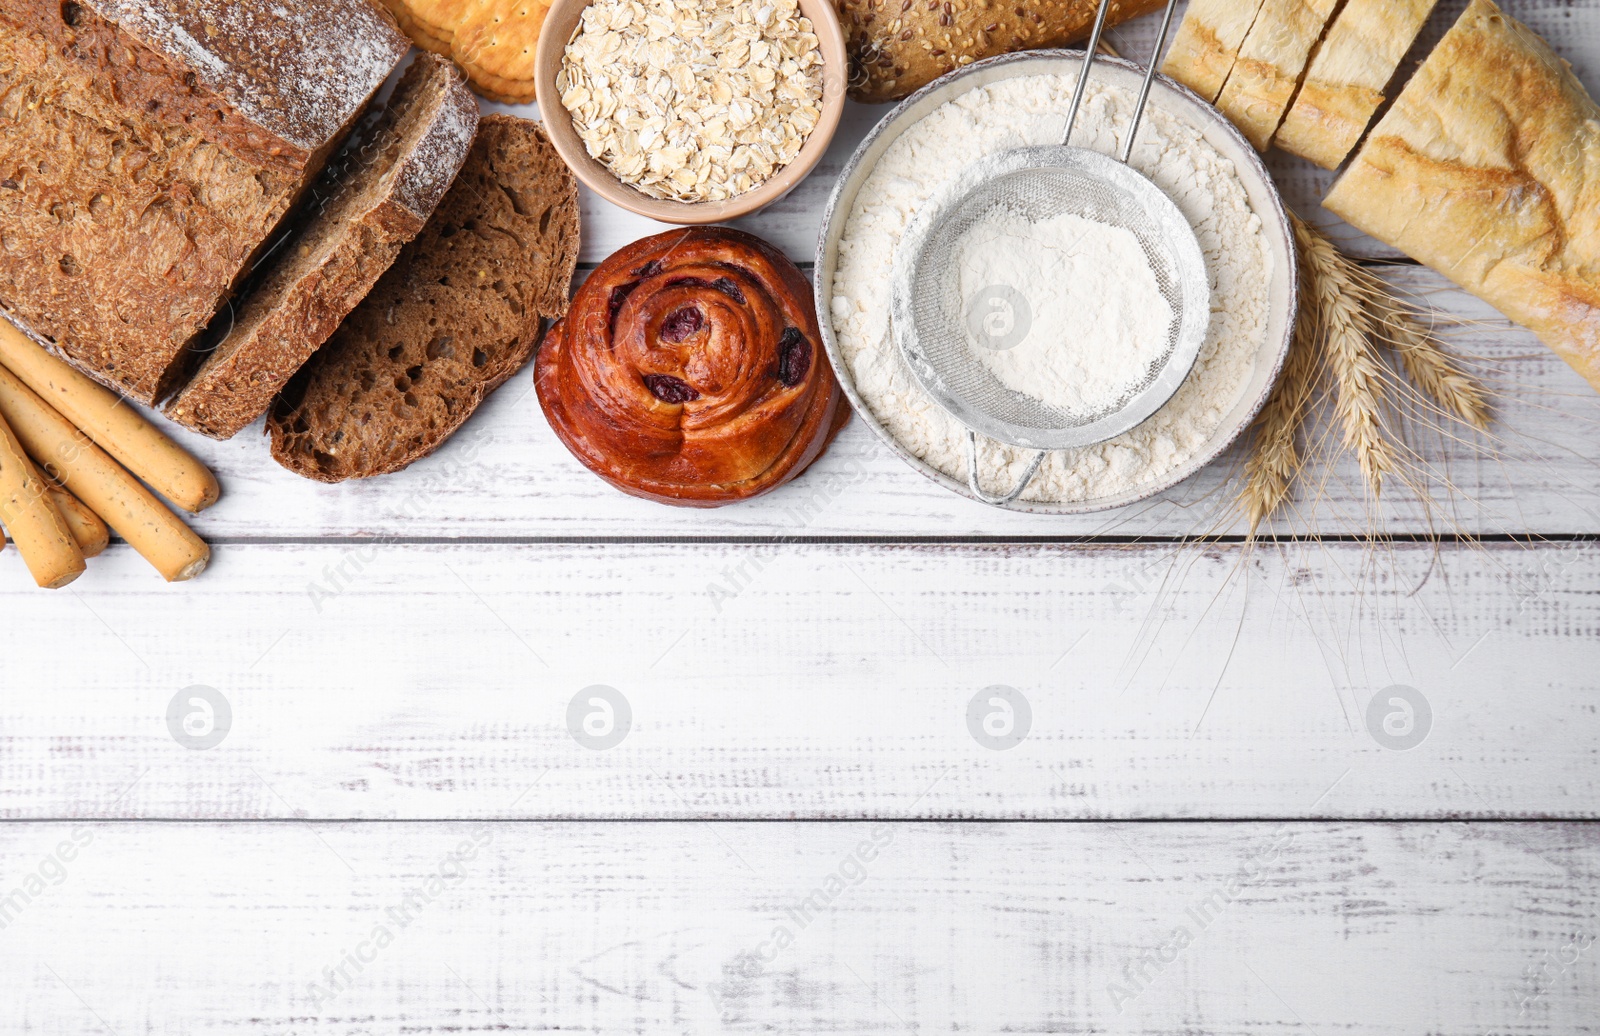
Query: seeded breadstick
(49, 550)
(111, 422)
(100, 482)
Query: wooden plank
(435, 681)
(1126, 928)
(506, 475)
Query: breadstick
(91, 534)
(111, 422)
(49, 550)
(93, 477)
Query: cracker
(496, 41)
(420, 34)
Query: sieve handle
(1149, 77)
(972, 474)
(1088, 60)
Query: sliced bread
(148, 150)
(1271, 61)
(1207, 44)
(459, 312)
(1487, 169)
(1344, 86)
(370, 201)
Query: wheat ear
(1352, 358)
(1424, 357)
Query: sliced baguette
(1271, 61)
(374, 199)
(459, 312)
(1207, 44)
(1487, 169)
(1344, 86)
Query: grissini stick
(49, 550)
(111, 422)
(92, 476)
(92, 534)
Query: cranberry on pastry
(690, 370)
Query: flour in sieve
(1066, 310)
(1024, 111)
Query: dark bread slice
(459, 312)
(370, 201)
(148, 150)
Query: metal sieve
(939, 333)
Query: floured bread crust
(1487, 169)
(1207, 44)
(1271, 60)
(1344, 86)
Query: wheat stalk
(1275, 460)
(1351, 356)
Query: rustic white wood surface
(1321, 718)
(816, 680)
(1459, 930)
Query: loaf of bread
(148, 149)
(1271, 60)
(370, 201)
(459, 312)
(1344, 86)
(1207, 44)
(1487, 169)
(898, 46)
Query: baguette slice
(1207, 44)
(374, 199)
(1487, 169)
(457, 314)
(1271, 61)
(1343, 89)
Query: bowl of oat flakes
(691, 111)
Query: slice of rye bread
(148, 150)
(459, 312)
(371, 200)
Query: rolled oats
(693, 100)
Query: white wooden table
(808, 827)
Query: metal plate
(1283, 296)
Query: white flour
(1066, 310)
(1027, 110)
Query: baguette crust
(1207, 44)
(141, 170)
(1344, 86)
(897, 47)
(1487, 169)
(1270, 63)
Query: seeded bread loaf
(369, 202)
(1207, 44)
(1344, 86)
(458, 313)
(898, 46)
(1271, 61)
(1487, 169)
(148, 148)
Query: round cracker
(499, 39)
(420, 34)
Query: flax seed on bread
(370, 201)
(148, 149)
(459, 312)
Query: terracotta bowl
(562, 22)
